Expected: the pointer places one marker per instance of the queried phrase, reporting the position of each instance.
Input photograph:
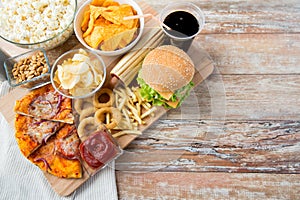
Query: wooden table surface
(241, 139)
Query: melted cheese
(40, 130)
(173, 104)
(166, 95)
(45, 105)
(69, 145)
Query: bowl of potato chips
(100, 26)
(78, 73)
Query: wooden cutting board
(204, 67)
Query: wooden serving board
(64, 187)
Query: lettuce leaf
(151, 95)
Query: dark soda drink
(184, 21)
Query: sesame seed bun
(167, 68)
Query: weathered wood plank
(212, 146)
(253, 16)
(254, 53)
(243, 97)
(183, 185)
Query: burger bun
(167, 69)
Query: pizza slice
(60, 156)
(31, 133)
(46, 103)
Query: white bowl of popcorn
(37, 23)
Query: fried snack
(79, 104)
(83, 128)
(104, 27)
(97, 2)
(104, 98)
(109, 116)
(133, 107)
(87, 113)
(79, 74)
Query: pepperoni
(98, 149)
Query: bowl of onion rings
(78, 73)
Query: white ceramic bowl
(78, 32)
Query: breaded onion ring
(116, 116)
(104, 98)
(81, 130)
(79, 104)
(88, 112)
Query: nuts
(30, 67)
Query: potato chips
(104, 27)
(79, 74)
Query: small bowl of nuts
(28, 70)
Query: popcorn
(34, 21)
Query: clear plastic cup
(178, 37)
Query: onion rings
(115, 117)
(104, 98)
(79, 104)
(88, 112)
(82, 127)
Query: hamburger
(166, 76)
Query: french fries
(133, 107)
(132, 111)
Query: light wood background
(251, 151)
(240, 139)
